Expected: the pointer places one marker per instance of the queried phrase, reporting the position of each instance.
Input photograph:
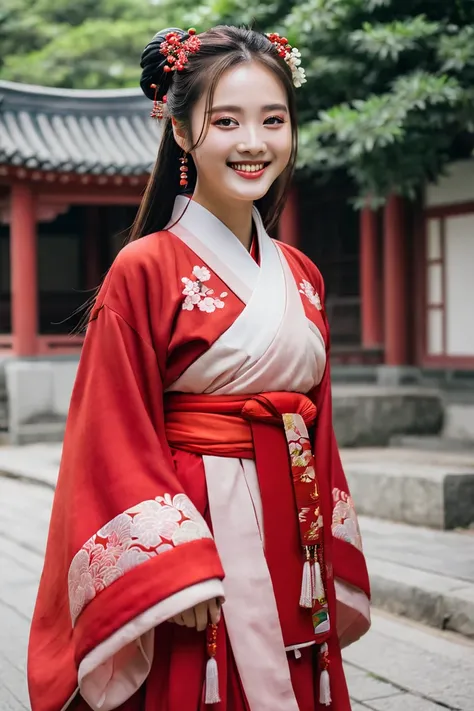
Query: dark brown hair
(221, 48)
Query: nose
(252, 142)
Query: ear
(179, 134)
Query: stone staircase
(409, 460)
(408, 495)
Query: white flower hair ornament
(292, 57)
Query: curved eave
(65, 131)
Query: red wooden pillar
(23, 264)
(288, 226)
(395, 283)
(370, 292)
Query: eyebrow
(238, 109)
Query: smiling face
(249, 140)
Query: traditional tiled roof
(106, 132)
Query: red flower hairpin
(291, 55)
(177, 51)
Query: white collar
(217, 237)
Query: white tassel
(324, 681)
(324, 688)
(306, 598)
(212, 682)
(318, 585)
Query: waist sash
(228, 426)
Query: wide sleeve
(348, 562)
(127, 548)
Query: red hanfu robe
(175, 487)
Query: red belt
(220, 425)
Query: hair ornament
(291, 55)
(158, 110)
(177, 50)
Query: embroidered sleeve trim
(345, 525)
(131, 538)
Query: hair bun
(152, 63)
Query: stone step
(38, 432)
(432, 443)
(370, 415)
(3, 416)
(425, 575)
(422, 488)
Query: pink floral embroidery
(199, 295)
(299, 447)
(344, 519)
(309, 291)
(131, 538)
(304, 475)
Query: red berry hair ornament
(291, 56)
(177, 50)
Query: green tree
(390, 93)
(390, 90)
(389, 98)
(89, 44)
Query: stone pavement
(423, 574)
(398, 666)
(36, 462)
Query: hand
(199, 615)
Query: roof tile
(99, 132)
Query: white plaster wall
(459, 265)
(456, 187)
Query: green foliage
(394, 82)
(456, 50)
(85, 56)
(389, 98)
(390, 40)
(390, 93)
(86, 44)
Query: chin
(250, 193)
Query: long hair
(221, 48)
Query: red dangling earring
(183, 177)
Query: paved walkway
(398, 666)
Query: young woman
(204, 551)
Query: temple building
(73, 167)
